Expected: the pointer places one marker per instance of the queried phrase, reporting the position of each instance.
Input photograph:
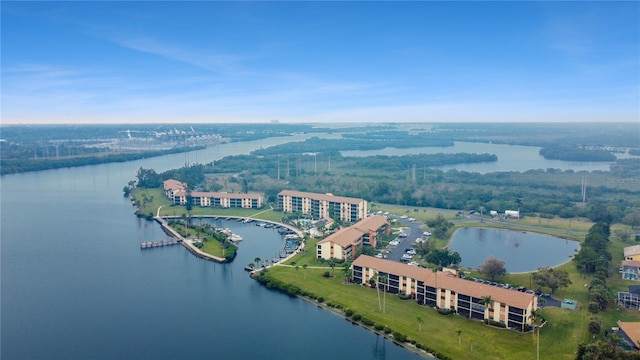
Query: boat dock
(159, 243)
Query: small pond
(521, 251)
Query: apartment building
(322, 206)
(344, 243)
(177, 193)
(445, 290)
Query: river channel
(76, 285)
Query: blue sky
(191, 62)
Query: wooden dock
(159, 243)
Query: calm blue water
(75, 284)
(521, 251)
(510, 158)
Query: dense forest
(410, 180)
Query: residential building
(631, 333)
(177, 193)
(631, 270)
(631, 298)
(632, 253)
(447, 291)
(344, 243)
(322, 206)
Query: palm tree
(257, 261)
(296, 267)
(377, 279)
(251, 265)
(519, 203)
(488, 304)
(332, 265)
(348, 273)
(482, 209)
(459, 332)
(385, 283)
(435, 270)
(537, 319)
(304, 266)
(420, 321)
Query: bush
(446, 311)
(320, 299)
(387, 330)
(594, 308)
(356, 317)
(494, 323)
(326, 274)
(348, 312)
(403, 296)
(399, 336)
(368, 322)
(379, 327)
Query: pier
(159, 243)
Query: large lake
(510, 157)
(75, 284)
(521, 251)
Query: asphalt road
(413, 230)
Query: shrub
(326, 274)
(399, 336)
(348, 312)
(368, 321)
(387, 330)
(356, 317)
(403, 296)
(446, 311)
(594, 308)
(320, 299)
(379, 327)
(494, 323)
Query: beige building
(177, 192)
(322, 206)
(344, 243)
(447, 291)
(632, 253)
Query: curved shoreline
(519, 231)
(203, 255)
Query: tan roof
(173, 184)
(226, 195)
(632, 330)
(343, 237)
(371, 223)
(631, 263)
(352, 234)
(325, 197)
(632, 250)
(447, 281)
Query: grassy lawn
(150, 200)
(560, 337)
(438, 331)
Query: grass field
(560, 337)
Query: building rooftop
(632, 330)
(446, 280)
(631, 263)
(225, 195)
(325, 197)
(632, 250)
(371, 223)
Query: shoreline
(522, 231)
(340, 313)
(206, 256)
